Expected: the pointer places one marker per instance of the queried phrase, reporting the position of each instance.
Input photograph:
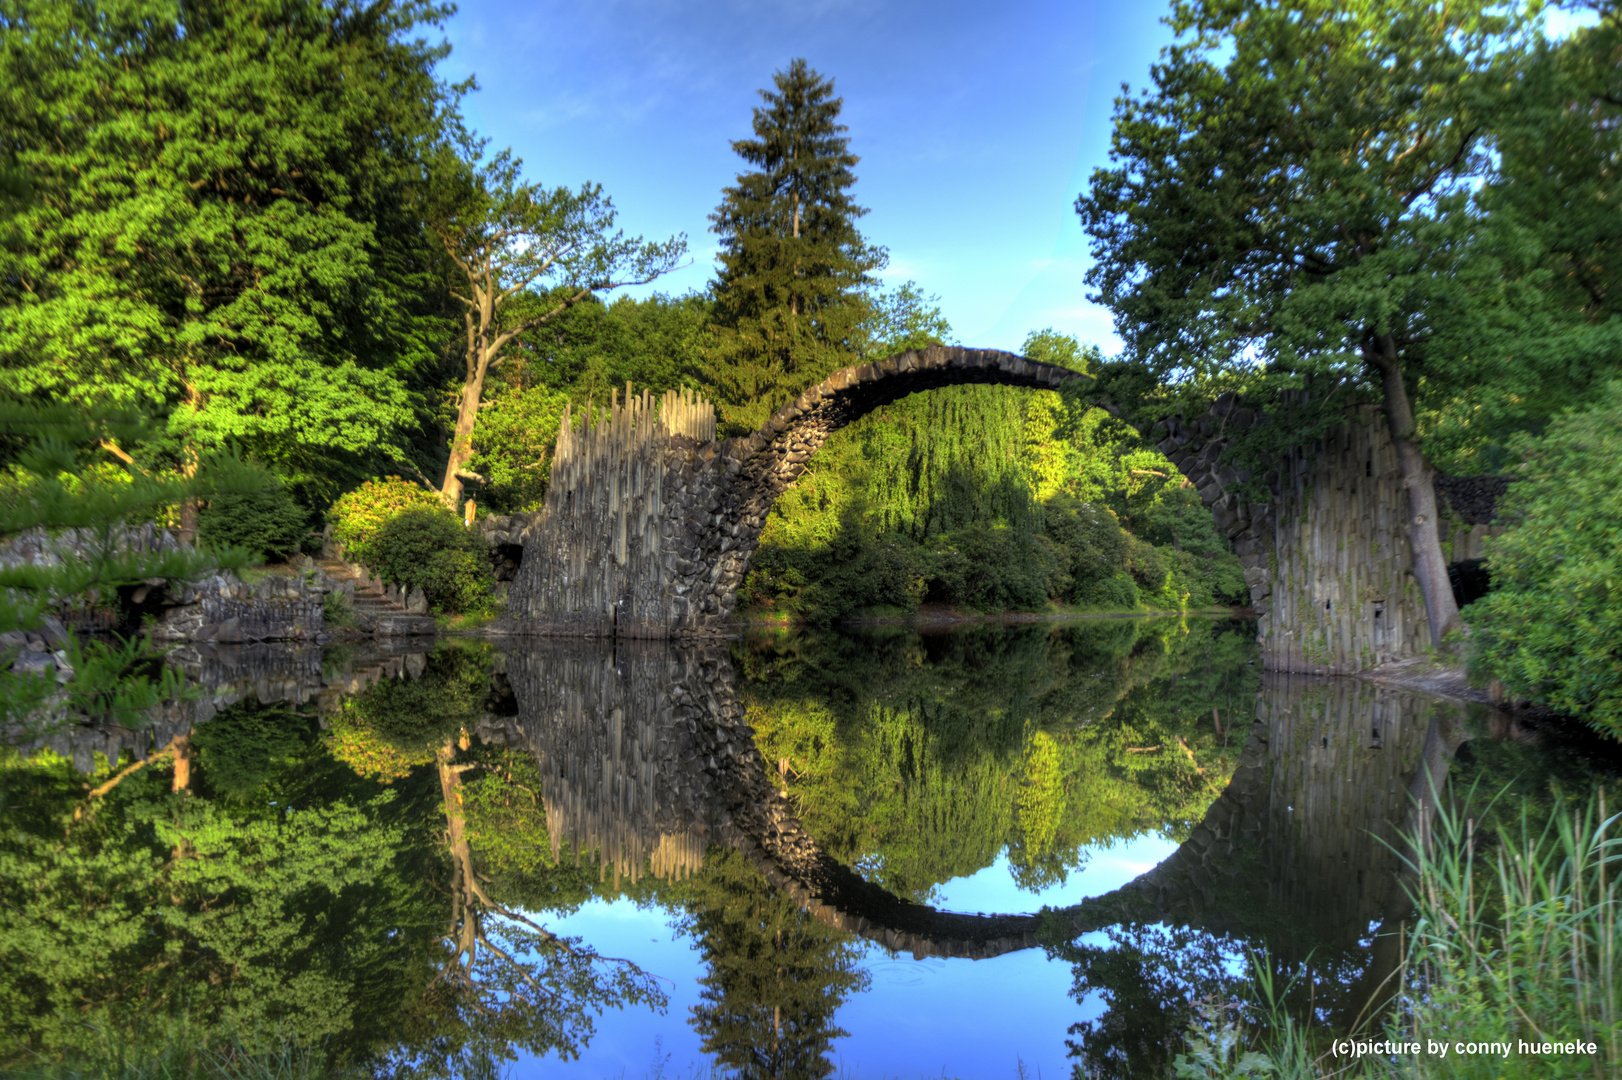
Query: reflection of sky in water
(921, 1018)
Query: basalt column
(1326, 557)
(1342, 592)
(623, 516)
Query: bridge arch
(650, 521)
(777, 455)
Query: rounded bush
(1116, 591)
(357, 517)
(428, 548)
(268, 522)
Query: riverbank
(945, 615)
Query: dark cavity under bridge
(650, 521)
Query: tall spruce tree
(790, 301)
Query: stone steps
(372, 604)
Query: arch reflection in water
(646, 756)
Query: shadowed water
(892, 853)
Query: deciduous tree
(1291, 198)
(218, 229)
(511, 238)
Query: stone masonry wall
(222, 609)
(1327, 558)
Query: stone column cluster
(1326, 557)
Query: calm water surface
(998, 851)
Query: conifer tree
(790, 300)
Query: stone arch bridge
(650, 521)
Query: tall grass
(180, 1052)
(1515, 940)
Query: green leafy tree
(776, 977)
(219, 230)
(789, 303)
(1289, 207)
(430, 549)
(1551, 629)
(267, 522)
(508, 238)
(904, 318)
(1548, 289)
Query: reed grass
(180, 1052)
(1515, 941)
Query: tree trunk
(182, 776)
(1419, 478)
(467, 414)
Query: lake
(981, 851)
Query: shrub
(428, 548)
(268, 522)
(996, 567)
(1551, 630)
(1149, 568)
(357, 516)
(1116, 591)
(1094, 545)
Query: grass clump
(184, 1053)
(1515, 941)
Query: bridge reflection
(647, 757)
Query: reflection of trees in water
(282, 895)
(1152, 981)
(1299, 863)
(921, 757)
(776, 975)
(1146, 976)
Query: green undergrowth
(181, 1052)
(1517, 939)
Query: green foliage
(904, 318)
(181, 1050)
(268, 522)
(1305, 112)
(241, 748)
(48, 488)
(418, 715)
(512, 447)
(338, 612)
(429, 548)
(144, 897)
(1516, 938)
(1551, 630)
(222, 232)
(776, 975)
(1155, 982)
(790, 304)
(359, 515)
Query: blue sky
(977, 125)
